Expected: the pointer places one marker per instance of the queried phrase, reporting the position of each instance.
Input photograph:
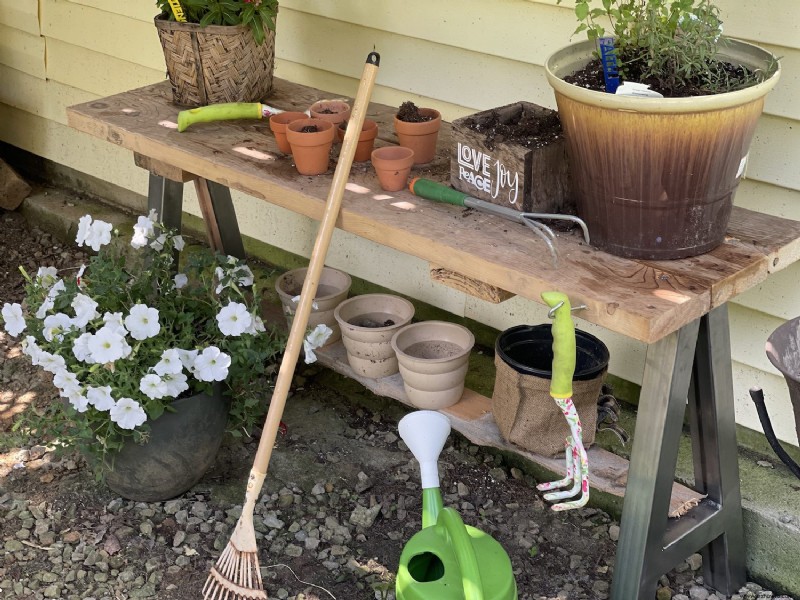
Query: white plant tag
(640, 90)
(742, 166)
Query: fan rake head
(236, 576)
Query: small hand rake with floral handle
(237, 576)
(564, 358)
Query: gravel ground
(341, 499)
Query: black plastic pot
(528, 349)
(181, 448)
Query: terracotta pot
(366, 138)
(334, 111)
(311, 151)
(181, 447)
(433, 358)
(655, 178)
(420, 137)
(278, 124)
(393, 164)
(368, 323)
(332, 290)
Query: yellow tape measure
(177, 10)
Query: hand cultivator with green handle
(447, 560)
(430, 190)
(226, 111)
(564, 357)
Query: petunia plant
(128, 334)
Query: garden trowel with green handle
(431, 190)
(227, 111)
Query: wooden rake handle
(327, 225)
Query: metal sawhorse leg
(693, 363)
(219, 216)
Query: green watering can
(447, 560)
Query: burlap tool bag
(528, 416)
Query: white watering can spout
(425, 433)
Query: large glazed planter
(181, 448)
(655, 178)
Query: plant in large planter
(655, 177)
(136, 347)
(218, 50)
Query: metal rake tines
(236, 576)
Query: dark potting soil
(591, 77)
(409, 112)
(326, 111)
(309, 129)
(370, 323)
(527, 129)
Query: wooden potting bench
(678, 308)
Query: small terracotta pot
(433, 358)
(393, 164)
(420, 137)
(331, 291)
(311, 151)
(368, 323)
(334, 111)
(369, 131)
(278, 124)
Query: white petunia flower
(244, 275)
(170, 362)
(85, 310)
(152, 386)
(234, 319)
(219, 274)
(79, 276)
(80, 348)
(212, 365)
(128, 413)
(144, 230)
(13, 321)
(31, 349)
(314, 305)
(178, 243)
(158, 243)
(176, 384)
(55, 326)
(49, 300)
(107, 345)
(52, 363)
(99, 235)
(181, 281)
(256, 326)
(100, 397)
(47, 276)
(187, 358)
(84, 223)
(114, 322)
(79, 402)
(68, 383)
(315, 339)
(142, 322)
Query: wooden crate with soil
(514, 156)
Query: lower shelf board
(472, 417)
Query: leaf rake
(237, 575)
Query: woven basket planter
(217, 63)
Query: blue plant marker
(608, 59)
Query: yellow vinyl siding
(456, 55)
(20, 14)
(22, 51)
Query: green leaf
(582, 10)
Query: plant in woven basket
(258, 15)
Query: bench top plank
(644, 300)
